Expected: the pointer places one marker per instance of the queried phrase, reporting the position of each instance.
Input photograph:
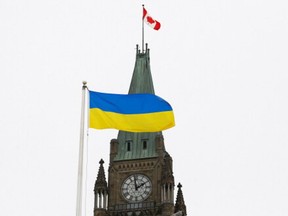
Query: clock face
(136, 188)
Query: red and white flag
(150, 21)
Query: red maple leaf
(150, 20)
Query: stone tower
(140, 175)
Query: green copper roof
(138, 145)
(142, 79)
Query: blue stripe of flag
(129, 103)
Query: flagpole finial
(84, 84)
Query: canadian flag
(150, 21)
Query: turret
(100, 192)
(180, 206)
(167, 186)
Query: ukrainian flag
(131, 112)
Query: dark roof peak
(180, 203)
(101, 183)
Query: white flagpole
(81, 150)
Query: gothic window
(128, 145)
(144, 143)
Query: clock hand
(135, 183)
(141, 185)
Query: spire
(101, 179)
(100, 189)
(131, 145)
(180, 204)
(142, 79)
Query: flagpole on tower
(143, 29)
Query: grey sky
(221, 64)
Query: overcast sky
(222, 64)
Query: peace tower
(140, 175)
